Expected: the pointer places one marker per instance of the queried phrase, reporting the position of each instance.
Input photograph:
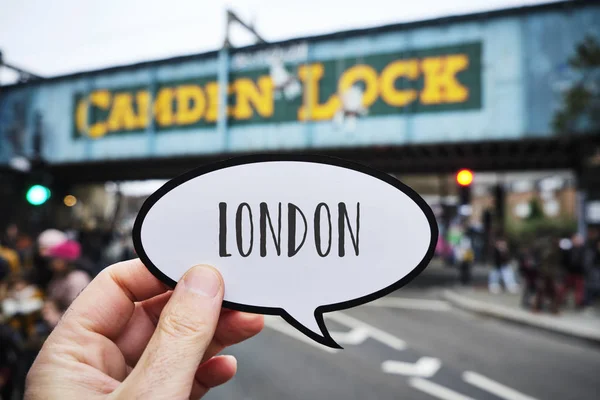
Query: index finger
(107, 303)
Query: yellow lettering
(97, 130)
(81, 116)
(310, 75)
(190, 104)
(261, 97)
(100, 99)
(212, 92)
(441, 85)
(142, 99)
(163, 107)
(403, 68)
(121, 115)
(363, 73)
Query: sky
(57, 37)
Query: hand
(128, 337)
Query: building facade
(483, 77)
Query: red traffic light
(464, 177)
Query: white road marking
(494, 387)
(436, 390)
(278, 324)
(353, 337)
(411, 304)
(360, 331)
(425, 367)
(377, 334)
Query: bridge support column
(223, 79)
(581, 212)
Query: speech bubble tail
(312, 325)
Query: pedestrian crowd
(546, 270)
(39, 278)
(553, 268)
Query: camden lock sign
(340, 90)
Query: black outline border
(326, 339)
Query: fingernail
(203, 281)
(232, 360)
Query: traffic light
(464, 178)
(37, 194)
(39, 184)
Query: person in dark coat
(575, 271)
(528, 268)
(11, 236)
(549, 272)
(592, 272)
(502, 269)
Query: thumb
(186, 326)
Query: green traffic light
(38, 195)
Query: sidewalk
(579, 324)
(439, 274)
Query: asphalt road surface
(411, 345)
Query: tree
(536, 212)
(580, 110)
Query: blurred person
(592, 273)
(41, 263)
(11, 258)
(5, 270)
(565, 245)
(49, 239)
(16, 240)
(454, 236)
(10, 237)
(84, 262)
(94, 241)
(26, 251)
(9, 356)
(464, 256)
(67, 281)
(444, 250)
(127, 317)
(502, 269)
(549, 272)
(119, 249)
(575, 271)
(528, 268)
(23, 333)
(21, 304)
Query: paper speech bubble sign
(295, 236)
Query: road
(411, 345)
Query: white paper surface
(394, 235)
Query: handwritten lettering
(269, 229)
